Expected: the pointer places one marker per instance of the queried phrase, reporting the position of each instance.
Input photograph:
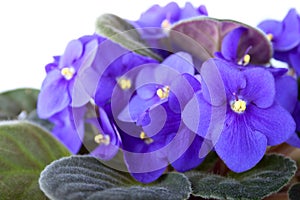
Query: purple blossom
(253, 118)
(285, 37)
(154, 121)
(286, 92)
(294, 140)
(164, 17)
(69, 127)
(154, 24)
(241, 58)
(112, 75)
(63, 85)
(108, 138)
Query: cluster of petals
(161, 113)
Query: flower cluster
(211, 91)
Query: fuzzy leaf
(25, 149)
(203, 36)
(267, 177)
(120, 31)
(14, 102)
(85, 177)
(294, 192)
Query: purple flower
(285, 37)
(69, 127)
(63, 85)
(286, 92)
(154, 123)
(113, 74)
(108, 138)
(294, 140)
(253, 118)
(154, 24)
(240, 46)
(164, 17)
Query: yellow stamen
(238, 106)
(246, 59)
(68, 72)
(124, 83)
(270, 36)
(146, 139)
(102, 139)
(166, 24)
(143, 135)
(163, 93)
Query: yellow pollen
(163, 93)
(68, 72)
(124, 83)
(166, 24)
(238, 106)
(102, 139)
(270, 36)
(145, 138)
(246, 59)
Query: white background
(32, 31)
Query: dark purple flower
(63, 85)
(253, 118)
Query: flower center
(238, 106)
(146, 139)
(102, 139)
(124, 83)
(67, 72)
(270, 36)
(163, 93)
(166, 24)
(245, 60)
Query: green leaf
(25, 150)
(21, 104)
(85, 177)
(267, 177)
(294, 192)
(120, 31)
(203, 36)
(14, 102)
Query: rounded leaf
(25, 149)
(85, 177)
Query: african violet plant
(175, 105)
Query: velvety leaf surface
(294, 192)
(122, 32)
(85, 177)
(203, 36)
(269, 176)
(25, 150)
